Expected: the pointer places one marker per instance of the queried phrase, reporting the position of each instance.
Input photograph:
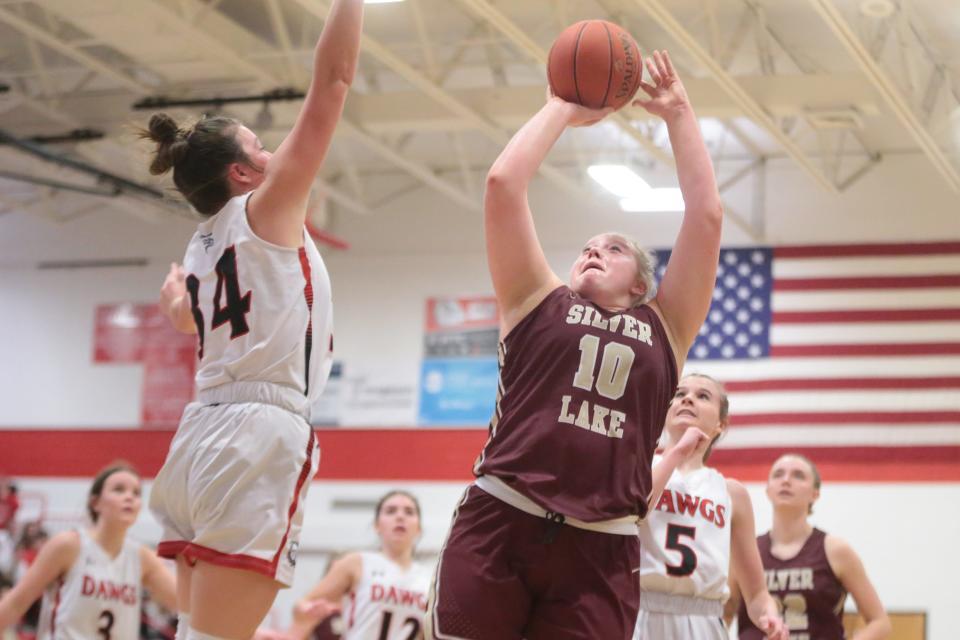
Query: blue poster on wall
(458, 391)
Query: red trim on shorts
(304, 477)
(193, 552)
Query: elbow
(709, 214)
(501, 183)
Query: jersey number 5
(237, 307)
(688, 557)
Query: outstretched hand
(317, 610)
(666, 95)
(174, 287)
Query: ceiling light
(618, 179)
(878, 9)
(380, 1)
(655, 200)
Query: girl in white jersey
(383, 594)
(701, 524)
(255, 291)
(91, 579)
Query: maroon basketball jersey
(806, 587)
(582, 397)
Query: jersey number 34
(237, 306)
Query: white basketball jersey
(685, 539)
(263, 311)
(98, 597)
(389, 602)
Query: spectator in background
(9, 504)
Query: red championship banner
(140, 334)
(461, 326)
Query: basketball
(594, 63)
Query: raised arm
(746, 565)
(685, 291)
(277, 210)
(54, 559)
(323, 600)
(848, 568)
(520, 273)
(692, 440)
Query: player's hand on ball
(579, 116)
(666, 95)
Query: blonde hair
(646, 266)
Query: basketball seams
(606, 93)
(576, 48)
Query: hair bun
(171, 142)
(163, 129)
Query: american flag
(852, 351)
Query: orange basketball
(594, 63)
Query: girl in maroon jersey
(61, 569)
(544, 544)
(808, 571)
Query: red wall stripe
(831, 384)
(866, 315)
(853, 418)
(851, 250)
(436, 455)
(867, 282)
(906, 349)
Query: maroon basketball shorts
(504, 574)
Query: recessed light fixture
(634, 192)
(878, 9)
(380, 1)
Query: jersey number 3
(237, 307)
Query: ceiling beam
(481, 122)
(74, 53)
(509, 29)
(747, 103)
(400, 111)
(888, 90)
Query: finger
(654, 71)
(668, 65)
(661, 65)
(648, 89)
